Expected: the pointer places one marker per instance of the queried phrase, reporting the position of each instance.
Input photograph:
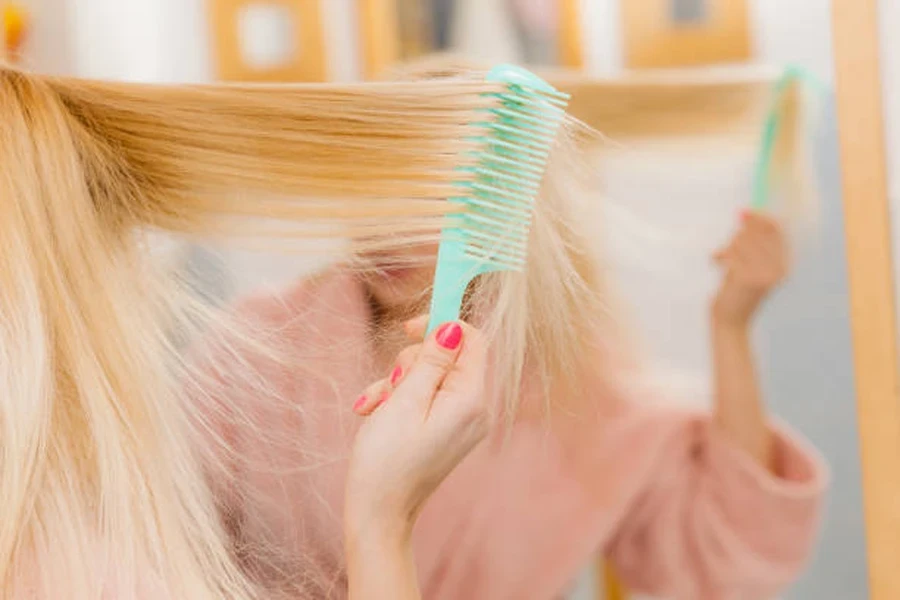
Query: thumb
(415, 328)
(721, 256)
(435, 360)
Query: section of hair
(206, 158)
(102, 491)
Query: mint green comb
(491, 232)
(762, 176)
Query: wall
(49, 39)
(794, 31)
(139, 40)
(169, 41)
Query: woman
(687, 505)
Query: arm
(380, 561)
(739, 412)
(754, 263)
(731, 504)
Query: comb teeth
(516, 142)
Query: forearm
(739, 411)
(380, 562)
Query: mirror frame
(871, 283)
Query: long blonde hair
(103, 488)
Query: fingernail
(396, 374)
(744, 214)
(381, 399)
(449, 335)
(359, 402)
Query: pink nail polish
(449, 336)
(744, 214)
(359, 402)
(396, 374)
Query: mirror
(804, 337)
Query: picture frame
(684, 33)
(395, 30)
(306, 61)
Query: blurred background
(183, 40)
(670, 203)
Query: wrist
(729, 325)
(375, 531)
(379, 556)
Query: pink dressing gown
(681, 512)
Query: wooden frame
(869, 258)
(378, 30)
(308, 62)
(652, 41)
(570, 37)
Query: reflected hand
(755, 262)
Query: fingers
(471, 363)
(435, 360)
(721, 255)
(415, 328)
(379, 392)
(758, 245)
(420, 370)
(762, 231)
(760, 221)
(374, 396)
(403, 364)
(461, 401)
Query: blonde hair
(100, 485)
(104, 488)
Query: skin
(754, 263)
(404, 449)
(435, 402)
(397, 293)
(397, 289)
